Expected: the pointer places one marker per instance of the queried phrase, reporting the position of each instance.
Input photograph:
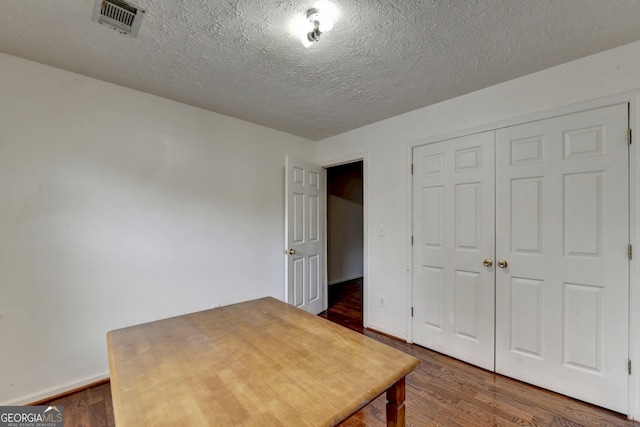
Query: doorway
(345, 244)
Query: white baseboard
(54, 391)
(386, 331)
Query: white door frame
(357, 157)
(633, 98)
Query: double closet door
(520, 252)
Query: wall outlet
(215, 305)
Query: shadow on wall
(345, 222)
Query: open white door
(304, 235)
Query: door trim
(633, 99)
(364, 158)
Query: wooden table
(257, 363)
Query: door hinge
(630, 251)
(629, 135)
(411, 240)
(411, 168)
(412, 316)
(629, 366)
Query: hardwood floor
(447, 392)
(90, 407)
(441, 392)
(345, 305)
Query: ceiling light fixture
(320, 22)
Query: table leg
(395, 404)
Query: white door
(304, 230)
(562, 218)
(453, 191)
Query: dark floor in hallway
(345, 304)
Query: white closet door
(453, 191)
(562, 220)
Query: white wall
(118, 207)
(345, 257)
(387, 147)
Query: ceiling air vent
(120, 15)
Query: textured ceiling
(383, 58)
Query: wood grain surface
(259, 363)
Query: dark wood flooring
(441, 392)
(345, 305)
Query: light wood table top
(257, 363)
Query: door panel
(304, 229)
(563, 227)
(454, 232)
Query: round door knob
(503, 263)
(488, 262)
(291, 251)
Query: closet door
(562, 218)
(453, 199)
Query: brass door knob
(291, 251)
(503, 263)
(488, 262)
